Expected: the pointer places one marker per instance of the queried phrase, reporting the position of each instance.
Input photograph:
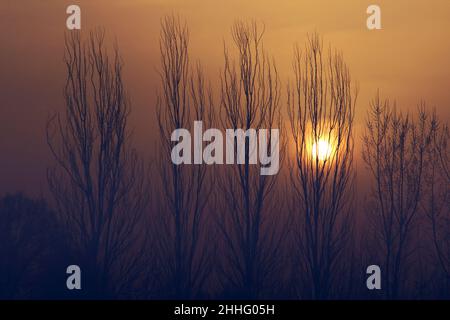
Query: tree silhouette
(250, 97)
(321, 111)
(99, 184)
(394, 150)
(436, 196)
(32, 248)
(185, 98)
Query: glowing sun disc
(321, 150)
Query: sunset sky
(409, 59)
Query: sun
(321, 150)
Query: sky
(408, 60)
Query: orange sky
(408, 60)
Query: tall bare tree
(250, 98)
(321, 105)
(98, 183)
(394, 150)
(436, 196)
(185, 98)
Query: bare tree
(33, 249)
(99, 183)
(321, 105)
(394, 150)
(440, 141)
(436, 196)
(250, 96)
(185, 97)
